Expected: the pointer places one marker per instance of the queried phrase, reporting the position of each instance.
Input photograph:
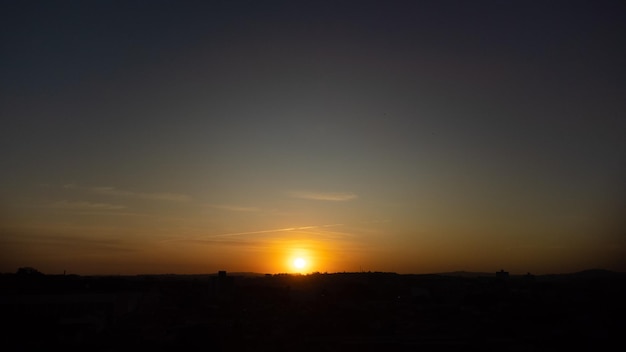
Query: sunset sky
(407, 136)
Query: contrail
(287, 229)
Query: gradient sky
(406, 136)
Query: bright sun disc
(299, 263)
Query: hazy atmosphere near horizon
(143, 137)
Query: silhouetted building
(502, 275)
(222, 285)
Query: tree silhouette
(28, 271)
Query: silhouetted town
(364, 311)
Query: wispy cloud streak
(83, 205)
(326, 196)
(113, 191)
(234, 208)
(287, 229)
(248, 235)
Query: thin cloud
(329, 234)
(287, 229)
(113, 191)
(234, 208)
(84, 205)
(326, 196)
(259, 232)
(84, 244)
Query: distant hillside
(595, 273)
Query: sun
(299, 263)
(299, 260)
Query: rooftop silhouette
(366, 311)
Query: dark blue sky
(415, 136)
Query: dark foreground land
(317, 312)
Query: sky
(147, 137)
